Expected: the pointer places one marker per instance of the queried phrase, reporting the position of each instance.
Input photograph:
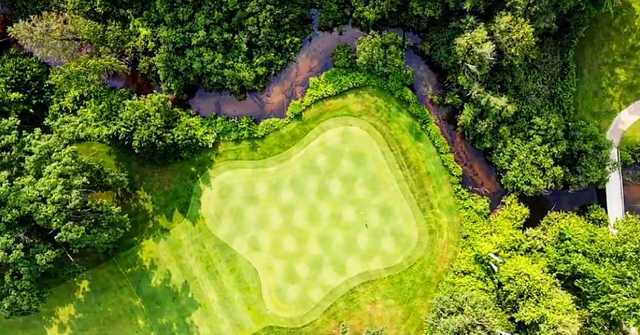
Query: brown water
(539, 206)
(631, 188)
(5, 20)
(632, 197)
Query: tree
(344, 57)
(53, 206)
(151, 126)
(544, 14)
(333, 13)
(499, 283)
(24, 91)
(535, 299)
(146, 124)
(599, 269)
(587, 162)
(191, 134)
(21, 9)
(234, 46)
(371, 12)
(529, 167)
(475, 51)
(383, 54)
(83, 107)
(514, 36)
(465, 307)
(53, 37)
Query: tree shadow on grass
(124, 296)
(162, 195)
(167, 306)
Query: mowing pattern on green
(314, 216)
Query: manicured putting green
(330, 208)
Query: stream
(631, 187)
(291, 84)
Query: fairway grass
(609, 66)
(186, 274)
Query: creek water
(478, 174)
(5, 41)
(542, 204)
(631, 188)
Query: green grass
(609, 66)
(182, 274)
(632, 136)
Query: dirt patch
(133, 81)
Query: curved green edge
(222, 166)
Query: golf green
(330, 208)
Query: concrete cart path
(615, 192)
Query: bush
(383, 54)
(268, 126)
(344, 57)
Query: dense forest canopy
(569, 275)
(508, 73)
(219, 45)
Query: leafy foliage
(509, 72)
(24, 92)
(151, 126)
(511, 78)
(597, 267)
(517, 83)
(221, 45)
(570, 275)
(383, 54)
(53, 37)
(472, 312)
(52, 204)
